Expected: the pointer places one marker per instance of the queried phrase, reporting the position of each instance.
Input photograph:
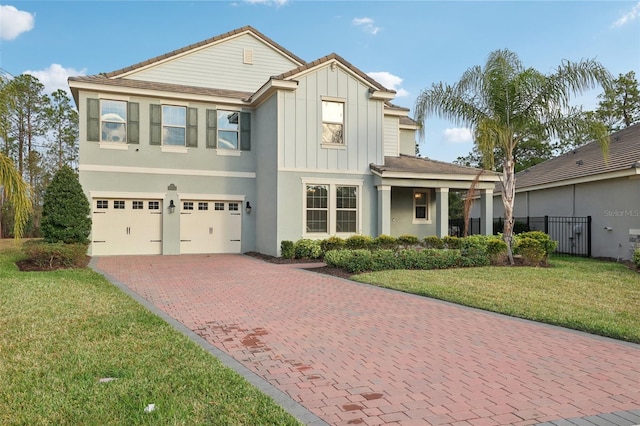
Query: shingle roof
(410, 164)
(177, 88)
(587, 160)
(324, 59)
(204, 43)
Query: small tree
(65, 212)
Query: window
(317, 208)
(113, 121)
(332, 122)
(187, 205)
(203, 206)
(346, 208)
(102, 204)
(174, 125)
(228, 125)
(420, 206)
(138, 205)
(154, 205)
(218, 206)
(118, 204)
(233, 207)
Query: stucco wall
(402, 213)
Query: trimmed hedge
(51, 256)
(385, 242)
(636, 257)
(357, 242)
(356, 261)
(433, 242)
(332, 243)
(307, 249)
(286, 249)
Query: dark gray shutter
(133, 122)
(155, 134)
(192, 127)
(245, 131)
(212, 124)
(93, 120)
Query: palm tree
(505, 103)
(17, 192)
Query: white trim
(434, 176)
(271, 87)
(409, 126)
(333, 99)
(379, 95)
(327, 171)
(122, 146)
(228, 152)
(395, 112)
(106, 97)
(331, 208)
(323, 181)
(210, 197)
(427, 220)
(384, 187)
(333, 145)
(162, 171)
(128, 195)
(176, 149)
(631, 172)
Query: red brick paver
(354, 354)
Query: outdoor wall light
(248, 208)
(172, 207)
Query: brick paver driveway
(354, 354)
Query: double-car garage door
(134, 226)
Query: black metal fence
(573, 234)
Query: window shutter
(192, 127)
(212, 123)
(155, 136)
(93, 120)
(133, 122)
(245, 131)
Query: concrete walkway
(355, 354)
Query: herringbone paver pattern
(355, 354)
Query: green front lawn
(62, 331)
(589, 295)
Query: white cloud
(457, 135)
(14, 22)
(55, 77)
(367, 25)
(277, 3)
(389, 81)
(627, 17)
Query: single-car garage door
(126, 226)
(210, 226)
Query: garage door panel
(210, 227)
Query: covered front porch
(413, 195)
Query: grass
(61, 331)
(583, 294)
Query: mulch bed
(328, 270)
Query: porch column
(384, 209)
(442, 212)
(486, 211)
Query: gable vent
(247, 56)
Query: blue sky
(409, 44)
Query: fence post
(546, 224)
(588, 236)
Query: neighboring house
(581, 183)
(234, 144)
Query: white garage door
(210, 226)
(126, 226)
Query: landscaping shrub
(433, 242)
(473, 250)
(636, 257)
(497, 250)
(51, 256)
(385, 242)
(307, 249)
(332, 243)
(360, 260)
(548, 245)
(286, 249)
(531, 250)
(65, 210)
(356, 242)
(520, 227)
(451, 242)
(384, 259)
(337, 258)
(408, 240)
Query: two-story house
(234, 144)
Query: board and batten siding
(300, 124)
(391, 136)
(221, 66)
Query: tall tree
(505, 103)
(16, 191)
(619, 105)
(62, 140)
(526, 154)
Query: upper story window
(332, 122)
(113, 121)
(174, 125)
(228, 129)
